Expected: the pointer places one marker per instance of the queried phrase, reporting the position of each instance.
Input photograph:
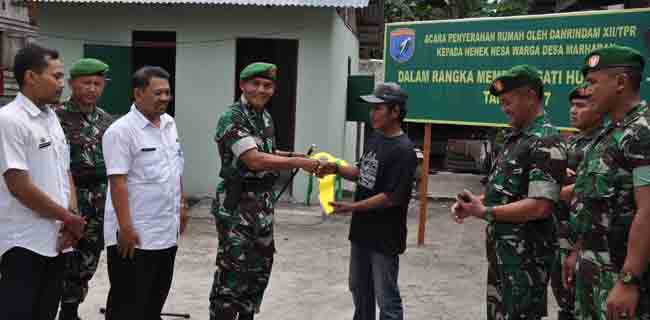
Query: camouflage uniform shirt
(84, 132)
(246, 244)
(577, 146)
(603, 209)
(531, 164)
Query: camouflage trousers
(565, 298)
(81, 264)
(516, 286)
(593, 284)
(244, 256)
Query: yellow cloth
(326, 184)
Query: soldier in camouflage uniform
(589, 122)
(611, 205)
(522, 192)
(84, 124)
(243, 208)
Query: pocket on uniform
(152, 172)
(596, 185)
(596, 181)
(150, 160)
(510, 179)
(508, 250)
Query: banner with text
(447, 66)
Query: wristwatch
(488, 214)
(629, 279)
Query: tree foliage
(419, 10)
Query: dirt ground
(445, 279)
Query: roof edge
(354, 4)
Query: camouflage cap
(613, 57)
(580, 91)
(88, 67)
(259, 69)
(517, 77)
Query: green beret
(88, 67)
(259, 69)
(580, 91)
(613, 57)
(516, 77)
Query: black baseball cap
(388, 92)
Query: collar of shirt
(381, 134)
(31, 108)
(590, 135)
(143, 122)
(632, 115)
(250, 112)
(70, 106)
(259, 120)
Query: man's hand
(74, 224)
(127, 240)
(566, 193)
(312, 165)
(455, 212)
(66, 240)
(326, 169)
(569, 270)
(74, 208)
(185, 217)
(622, 301)
(467, 205)
(570, 173)
(343, 207)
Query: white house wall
(205, 66)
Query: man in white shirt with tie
(36, 191)
(145, 211)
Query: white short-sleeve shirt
(32, 140)
(152, 159)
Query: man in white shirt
(35, 191)
(145, 211)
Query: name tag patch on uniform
(148, 149)
(44, 143)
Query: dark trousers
(30, 285)
(139, 286)
(373, 279)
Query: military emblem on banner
(402, 44)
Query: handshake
(320, 168)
